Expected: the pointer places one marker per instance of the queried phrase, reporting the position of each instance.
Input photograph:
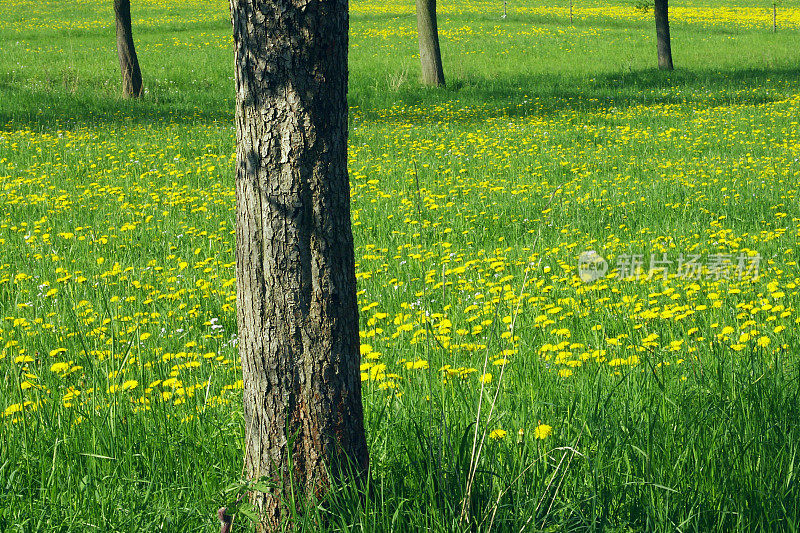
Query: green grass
(673, 402)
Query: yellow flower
(763, 341)
(416, 365)
(59, 367)
(486, 378)
(130, 384)
(542, 431)
(498, 434)
(12, 409)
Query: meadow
(502, 391)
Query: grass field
(663, 399)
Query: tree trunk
(774, 17)
(429, 54)
(662, 35)
(128, 62)
(296, 287)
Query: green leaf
(249, 510)
(263, 486)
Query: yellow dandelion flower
(498, 434)
(542, 431)
(15, 408)
(59, 367)
(416, 365)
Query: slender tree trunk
(662, 35)
(296, 286)
(128, 62)
(774, 17)
(429, 54)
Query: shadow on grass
(546, 94)
(47, 110)
(479, 98)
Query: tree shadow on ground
(477, 97)
(553, 94)
(49, 110)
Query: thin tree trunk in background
(662, 35)
(774, 17)
(296, 287)
(128, 62)
(429, 54)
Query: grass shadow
(47, 110)
(480, 98)
(550, 94)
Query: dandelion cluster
(116, 243)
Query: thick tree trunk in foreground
(662, 35)
(128, 62)
(429, 54)
(296, 286)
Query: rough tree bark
(128, 62)
(429, 54)
(662, 35)
(296, 287)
